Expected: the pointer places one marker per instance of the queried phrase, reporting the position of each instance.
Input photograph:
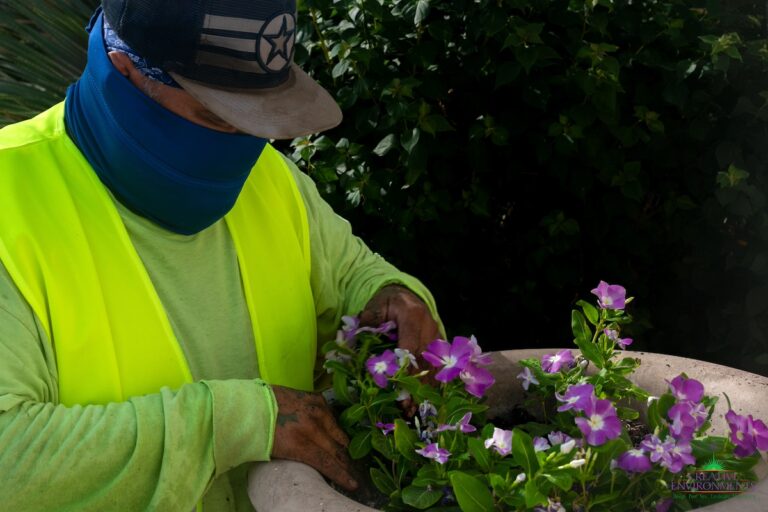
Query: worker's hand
(307, 432)
(415, 326)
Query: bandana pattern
(114, 43)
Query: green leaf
(562, 480)
(409, 140)
(626, 413)
(422, 11)
(472, 494)
(421, 497)
(341, 388)
(385, 145)
(533, 496)
(523, 452)
(405, 440)
(352, 415)
(382, 445)
(480, 453)
(383, 481)
(360, 445)
(583, 339)
(590, 311)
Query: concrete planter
(284, 486)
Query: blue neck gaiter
(182, 176)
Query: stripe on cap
(226, 61)
(232, 24)
(231, 43)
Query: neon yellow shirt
(163, 451)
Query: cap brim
(296, 108)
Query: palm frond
(42, 51)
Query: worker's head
(223, 64)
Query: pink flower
(747, 433)
(434, 452)
(553, 363)
(610, 296)
(600, 423)
(451, 357)
(501, 441)
(382, 366)
(634, 461)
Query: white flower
(404, 358)
(577, 463)
(520, 478)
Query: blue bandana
(178, 174)
(113, 43)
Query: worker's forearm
(157, 452)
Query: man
(158, 257)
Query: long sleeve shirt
(166, 450)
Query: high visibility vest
(67, 250)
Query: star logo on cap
(279, 35)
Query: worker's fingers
(329, 425)
(336, 467)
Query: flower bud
(567, 446)
(520, 478)
(577, 463)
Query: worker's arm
(157, 452)
(346, 274)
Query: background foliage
(512, 153)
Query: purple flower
(426, 410)
(623, 343)
(558, 437)
(386, 428)
(476, 380)
(657, 449)
(610, 296)
(552, 506)
(552, 363)
(687, 417)
(663, 505)
(669, 454)
(501, 441)
(527, 377)
(452, 357)
(747, 433)
(349, 329)
(686, 389)
(382, 366)
(600, 423)
(463, 425)
(634, 461)
(576, 397)
(433, 451)
(477, 357)
(680, 456)
(540, 444)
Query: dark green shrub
(512, 153)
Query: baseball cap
(233, 56)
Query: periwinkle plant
(578, 456)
